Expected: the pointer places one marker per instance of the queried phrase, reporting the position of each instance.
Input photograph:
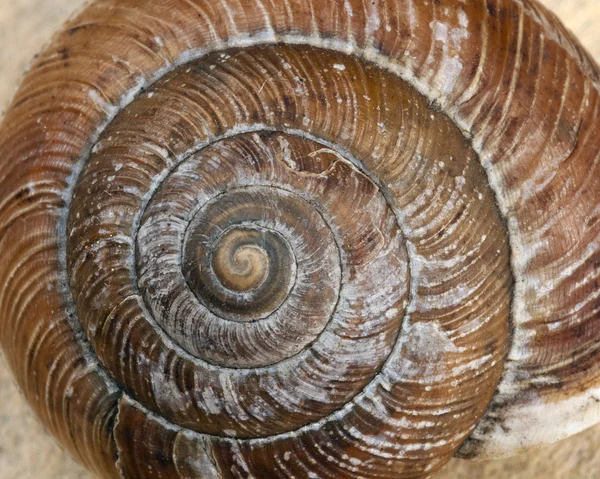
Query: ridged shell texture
(303, 239)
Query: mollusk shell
(270, 239)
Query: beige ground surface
(27, 452)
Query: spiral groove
(267, 269)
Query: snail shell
(272, 239)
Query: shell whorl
(265, 239)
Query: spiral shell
(273, 239)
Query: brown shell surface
(283, 238)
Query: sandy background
(27, 452)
